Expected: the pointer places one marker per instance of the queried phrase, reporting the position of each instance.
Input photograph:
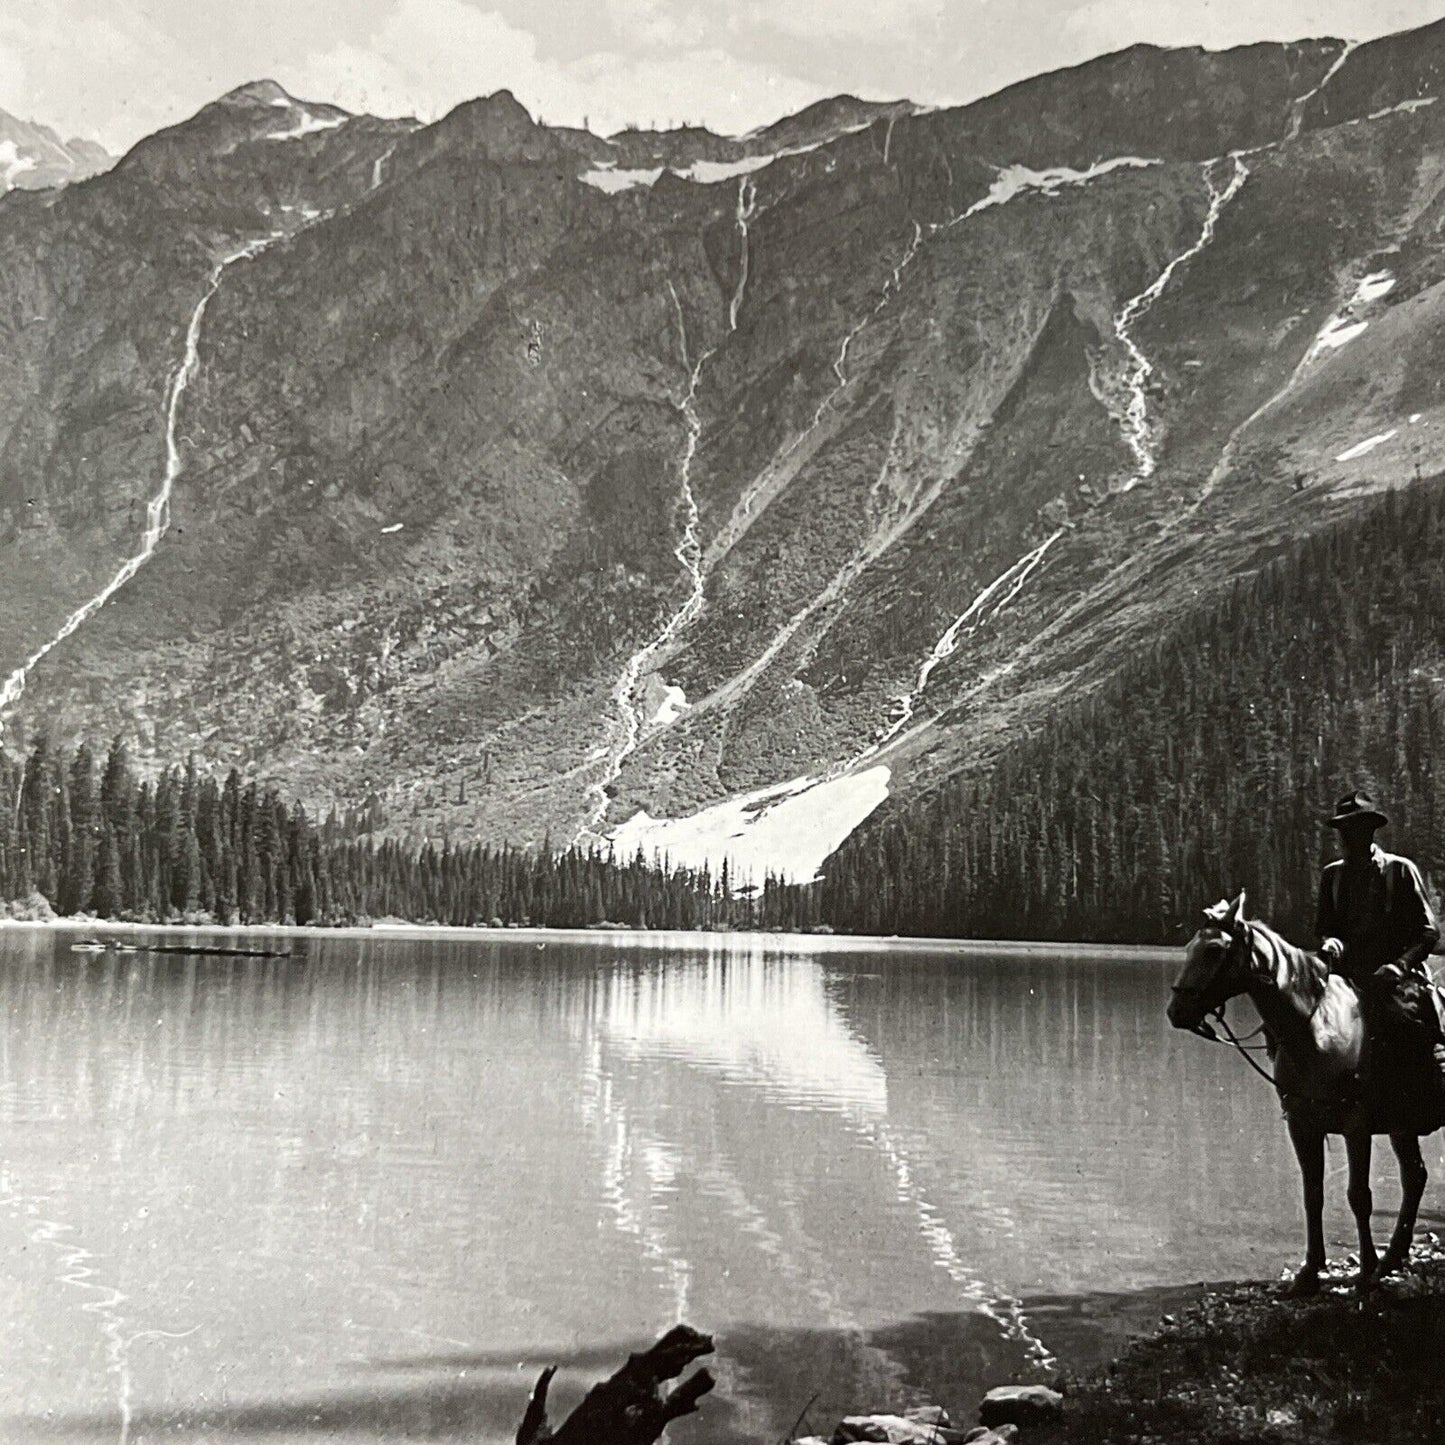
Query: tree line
(91, 837)
(1208, 763)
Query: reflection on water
(771, 1025)
(364, 1193)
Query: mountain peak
(33, 157)
(498, 127)
(263, 92)
(500, 109)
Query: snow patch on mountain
(1338, 332)
(1345, 325)
(1014, 181)
(606, 175)
(672, 707)
(307, 123)
(708, 173)
(1368, 445)
(1371, 288)
(787, 830)
(12, 163)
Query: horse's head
(1216, 967)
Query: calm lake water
(366, 1192)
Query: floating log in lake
(213, 952)
(96, 945)
(629, 1408)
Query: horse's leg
(1362, 1202)
(1413, 1176)
(1309, 1148)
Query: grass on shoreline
(1244, 1366)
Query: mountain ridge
(484, 465)
(34, 157)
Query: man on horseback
(1354, 1028)
(1378, 929)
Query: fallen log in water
(212, 950)
(629, 1408)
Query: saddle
(1405, 1087)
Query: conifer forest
(1204, 766)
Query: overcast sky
(114, 70)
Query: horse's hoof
(1303, 1285)
(1392, 1261)
(1364, 1282)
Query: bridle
(1203, 991)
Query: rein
(1241, 1045)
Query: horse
(1315, 1034)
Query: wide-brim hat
(1357, 807)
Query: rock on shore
(925, 1425)
(1242, 1366)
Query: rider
(1375, 921)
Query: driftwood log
(630, 1407)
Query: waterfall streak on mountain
(1138, 430)
(1222, 468)
(158, 509)
(747, 205)
(378, 167)
(630, 720)
(1112, 584)
(964, 625)
(891, 287)
(1012, 181)
(769, 480)
(1297, 109)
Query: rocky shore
(1242, 1366)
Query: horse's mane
(1285, 961)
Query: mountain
(530, 483)
(1206, 764)
(33, 157)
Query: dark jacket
(1380, 914)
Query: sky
(114, 70)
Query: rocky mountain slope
(33, 157)
(527, 480)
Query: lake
(364, 1193)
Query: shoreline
(1238, 1364)
(1246, 1366)
(646, 937)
